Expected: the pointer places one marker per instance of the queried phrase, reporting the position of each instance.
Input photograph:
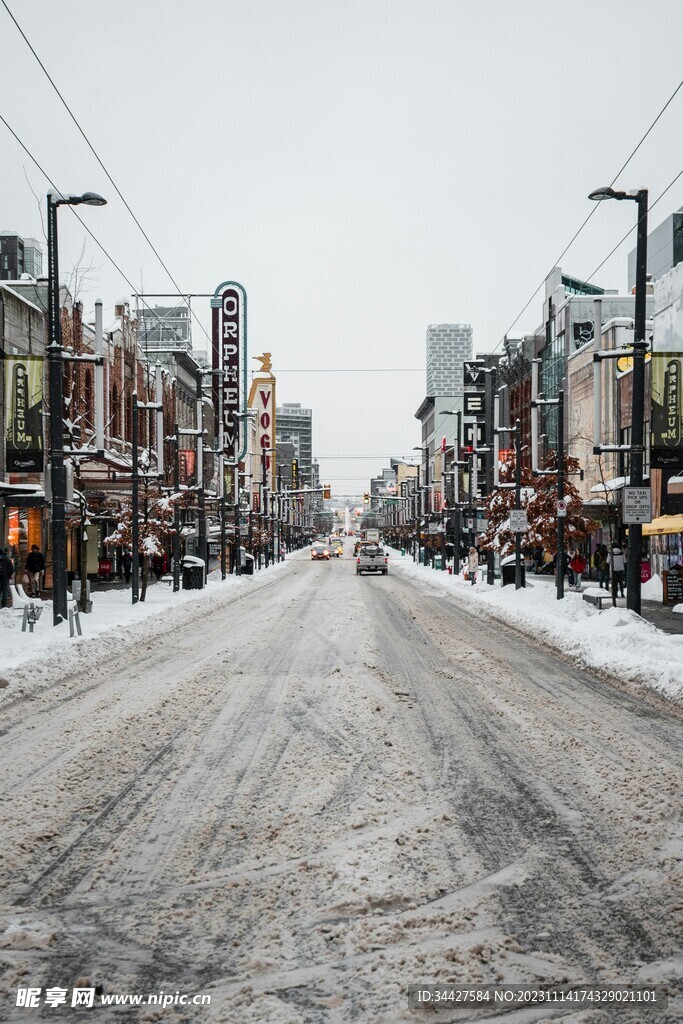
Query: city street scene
(341, 512)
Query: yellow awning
(665, 524)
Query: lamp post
(635, 532)
(54, 354)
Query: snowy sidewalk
(613, 640)
(114, 619)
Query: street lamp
(54, 355)
(635, 531)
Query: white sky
(363, 167)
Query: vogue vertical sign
(229, 339)
(262, 401)
(24, 414)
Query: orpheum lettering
(227, 328)
(672, 398)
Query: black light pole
(490, 383)
(176, 512)
(135, 510)
(518, 503)
(54, 355)
(635, 531)
(559, 578)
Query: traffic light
(366, 498)
(327, 492)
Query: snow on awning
(35, 489)
(674, 485)
(616, 484)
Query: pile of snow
(613, 640)
(653, 590)
(114, 615)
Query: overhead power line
(78, 218)
(94, 152)
(593, 210)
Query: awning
(615, 484)
(663, 525)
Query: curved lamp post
(635, 531)
(54, 354)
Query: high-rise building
(19, 256)
(295, 425)
(448, 346)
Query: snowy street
(326, 789)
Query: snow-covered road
(329, 789)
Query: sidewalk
(660, 615)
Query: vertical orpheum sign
(229, 345)
(24, 413)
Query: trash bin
(248, 565)
(403, 551)
(507, 571)
(438, 562)
(193, 572)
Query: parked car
(319, 551)
(372, 558)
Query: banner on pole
(24, 413)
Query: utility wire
(79, 219)
(95, 154)
(633, 228)
(593, 210)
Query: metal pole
(490, 381)
(635, 530)
(559, 579)
(135, 510)
(518, 500)
(57, 471)
(99, 377)
(201, 498)
(176, 512)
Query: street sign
(518, 520)
(473, 374)
(561, 509)
(637, 506)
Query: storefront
(25, 520)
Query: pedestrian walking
(127, 564)
(472, 565)
(601, 564)
(618, 567)
(578, 566)
(6, 574)
(159, 565)
(34, 569)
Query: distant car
(337, 548)
(319, 551)
(371, 558)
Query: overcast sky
(363, 167)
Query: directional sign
(561, 509)
(518, 520)
(637, 507)
(473, 374)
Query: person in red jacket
(578, 566)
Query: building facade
(295, 426)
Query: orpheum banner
(667, 410)
(24, 414)
(228, 312)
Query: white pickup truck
(371, 558)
